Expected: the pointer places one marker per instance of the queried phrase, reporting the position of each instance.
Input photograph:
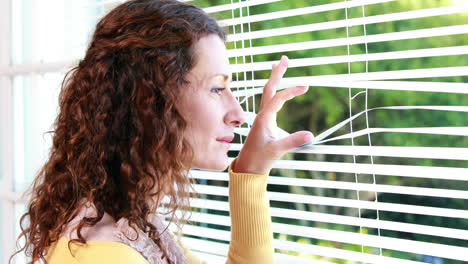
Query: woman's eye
(218, 90)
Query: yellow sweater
(251, 235)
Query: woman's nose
(236, 116)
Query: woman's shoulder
(102, 244)
(93, 251)
(104, 230)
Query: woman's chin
(219, 165)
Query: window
(40, 40)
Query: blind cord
(236, 61)
(351, 121)
(367, 121)
(251, 56)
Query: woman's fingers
(262, 146)
(277, 102)
(292, 141)
(277, 73)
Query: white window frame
(7, 195)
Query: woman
(150, 101)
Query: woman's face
(209, 106)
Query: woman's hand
(261, 148)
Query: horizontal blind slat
(284, 258)
(383, 151)
(430, 172)
(416, 86)
(440, 87)
(327, 43)
(340, 253)
(207, 246)
(343, 220)
(370, 76)
(393, 55)
(236, 5)
(340, 202)
(417, 247)
(222, 249)
(298, 11)
(210, 258)
(305, 248)
(450, 131)
(428, 12)
(313, 183)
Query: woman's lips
(227, 139)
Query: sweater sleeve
(251, 234)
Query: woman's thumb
(294, 140)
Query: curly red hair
(118, 138)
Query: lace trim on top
(153, 253)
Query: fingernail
(284, 60)
(300, 90)
(308, 137)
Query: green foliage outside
(323, 107)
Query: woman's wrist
(248, 164)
